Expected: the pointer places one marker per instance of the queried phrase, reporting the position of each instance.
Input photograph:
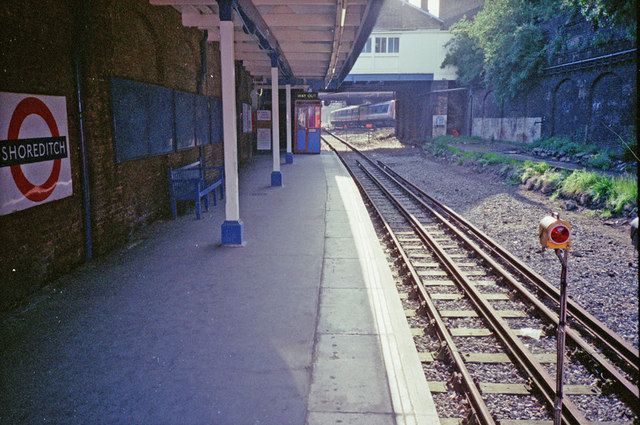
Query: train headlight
(554, 233)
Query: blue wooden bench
(193, 182)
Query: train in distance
(381, 114)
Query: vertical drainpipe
(289, 157)
(276, 175)
(201, 80)
(86, 190)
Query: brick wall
(576, 103)
(36, 57)
(124, 38)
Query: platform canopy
(313, 42)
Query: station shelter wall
(122, 38)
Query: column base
(232, 233)
(289, 158)
(276, 178)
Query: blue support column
(276, 178)
(232, 232)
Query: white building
(406, 44)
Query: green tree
(506, 46)
(608, 13)
(465, 53)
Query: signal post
(556, 234)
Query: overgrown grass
(612, 194)
(563, 146)
(624, 191)
(581, 182)
(601, 161)
(531, 169)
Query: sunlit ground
(381, 138)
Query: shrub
(530, 169)
(580, 182)
(614, 192)
(436, 148)
(564, 146)
(601, 161)
(551, 144)
(624, 191)
(553, 177)
(492, 158)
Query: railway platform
(302, 324)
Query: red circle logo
(26, 107)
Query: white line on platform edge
(410, 396)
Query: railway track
(484, 323)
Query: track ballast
(484, 323)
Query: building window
(381, 45)
(393, 44)
(367, 46)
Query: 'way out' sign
(34, 151)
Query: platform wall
(125, 38)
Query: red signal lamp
(554, 233)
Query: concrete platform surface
(298, 326)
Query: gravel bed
(507, 305)
(514, 407)
(485, 344)
(455, 251)
(427, 343)
(574, 373)
(464, 322)
(495, 288)
(506, 406)
(451, 405)
(496, 373)
(418, 321)
(603, 266)
(546, 344)
(603, 408)
(410, 304)
(438, 370)
(525, 322)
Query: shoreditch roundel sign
(28, 106)
(34, 157)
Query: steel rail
(540, 378)
(480, 409)
(601, 334)
(629, 390)
(600, 331)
